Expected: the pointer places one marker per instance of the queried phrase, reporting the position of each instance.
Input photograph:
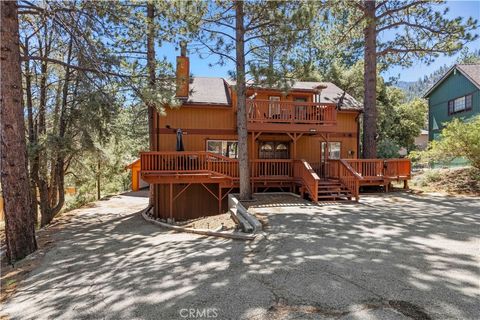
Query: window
(274, 150)
(460, 104)
(225, 148)
(334, 150)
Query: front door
(329, 151)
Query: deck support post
(219, 199)
(171, 201)
(405, 184)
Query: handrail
(305, 174)
(350, 178)
(290, 112)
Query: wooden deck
(335, 179)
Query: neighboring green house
(455, 95)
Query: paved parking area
(393, 256)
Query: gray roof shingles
(472, 71)
(205, 90)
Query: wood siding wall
(308, 146)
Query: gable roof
(205, 90)
(470, 71)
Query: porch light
(312, 130)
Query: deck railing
(398, 168)
(187, 162)
(290, 112)
(207, 162)
(274, 168)
(350, 172)
(368, 168)
(377, 169)
(305, 174)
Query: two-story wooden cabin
(303, 140)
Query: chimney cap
(183, 48)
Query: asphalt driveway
(394, 256)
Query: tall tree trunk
(52, 197)
(41, 155)
(31, 134)
(98, 180)
(19, 218)
(151, 66)
(244, 167)
(370, 84)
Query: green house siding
(454, 86)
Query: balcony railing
(290, 112)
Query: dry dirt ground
(391, 256)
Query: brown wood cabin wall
(201, 123)
(195, 202)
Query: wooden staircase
(332, 190)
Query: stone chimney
(183, 73)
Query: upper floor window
(225, 148)
(460, 104)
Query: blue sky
(417, 70)
(200, 67)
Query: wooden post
(171, 201)
(253, 145)
(219, 199)
(294, 146)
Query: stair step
(332, 197)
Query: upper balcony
(294, 116)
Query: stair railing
(349, 178)
(304, 173)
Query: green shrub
(457, 140)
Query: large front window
(226, 148)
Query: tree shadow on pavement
(392, 256)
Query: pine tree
(237, 32)
(19, 216)
(421, 32)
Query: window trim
(322, 150)
(220, 140)
(451, 104)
